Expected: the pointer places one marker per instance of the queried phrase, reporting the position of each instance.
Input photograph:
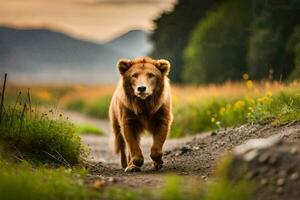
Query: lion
(141, 101)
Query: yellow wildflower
(269, 94)
(245, 76)
(249, 84)
(222, 111)
(239, 104)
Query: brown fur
(132, 113)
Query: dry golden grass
(60, 95)
(229, 90)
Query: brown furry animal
(141, 102)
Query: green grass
(38, 137)
(76, 105)
(194, 117)
(24, 182)
(88, 129)
(97, 109)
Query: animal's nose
(142, 88)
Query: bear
(141, 102)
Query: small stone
(280, 182)
(196, 148)
(112, 180)
(294, 176)
(248, 157)
(294, 150)
(263, 181)
(279, 190)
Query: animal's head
(143, 76)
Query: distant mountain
(135, 43)
(41, 55)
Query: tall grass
(195, 117)
(39, 137)
(202, 108)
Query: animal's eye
(134, 75)
(150, 75)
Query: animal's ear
(123, 65)
(163, 66)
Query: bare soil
(193, 157)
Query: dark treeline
(217, 40)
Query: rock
(112, 180)
(256, 144)
(196, 148)
(294, 176)
(280, 182)
(294, 150)
(248, 157)
(264, 181)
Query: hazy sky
(92, 19)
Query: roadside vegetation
(209, 107)
(260, 103)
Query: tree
(217, 49)
(294, 47)
(270, 33)
(173, 30)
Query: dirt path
(191, 157)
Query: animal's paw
(132, 168)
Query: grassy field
(196, 109)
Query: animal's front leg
(131, 133)
(159, 136)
